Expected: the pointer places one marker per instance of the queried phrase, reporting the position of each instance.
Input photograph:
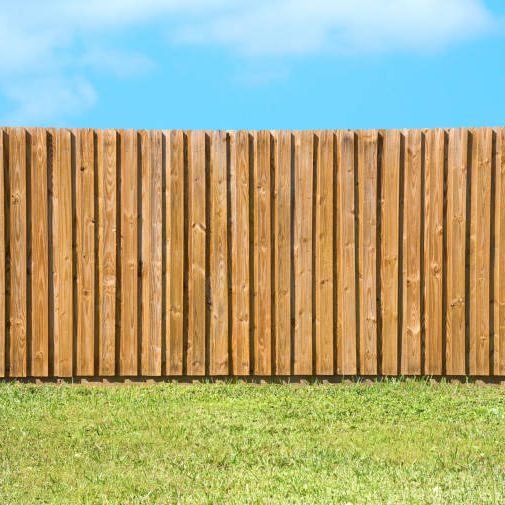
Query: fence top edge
(31, 129)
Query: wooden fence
(169, 253)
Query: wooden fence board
(499, 255)
(324, 255)
(151, 218)
(302, 254)
(411, 329)
(433, 243)
(346, 256)
(39, 254)
(196, 254)
(240, 236)
(107, 236)
(282, 236)
(457, 166)
(61, 142)
(128, 345)
(480, 240)
(175, 251)
(367, 215)
(218, 256)
(262, 255)
(85, 237)
(4, 148)
(390, 229)
(18, 253)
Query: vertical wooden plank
(239, 192)
(151, 149)
(175, 252)
(85, 235)
(18, 316)
(367, 176)
(390, 226)
(411, 331)
(304, 169)
(106, 158)
(324, 255)
(262, 255)
(346, 264)
(3, 165)
(282, 239)
(480, 251)
(39, 257)
(129, 254)
(433, 248)
(218, 256)
(196, 254)
(456, 245)
(61, 155)
(499, 258)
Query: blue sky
(262, 64)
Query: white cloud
(47, 48)
(303, 27)
(47, 99)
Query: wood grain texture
(85, 237)
(346, 256)
(480, 252)
(18, 253)
(499, 255)
(107, 243)
(4, 158)
(457, 168)
(240, 235)
(218, 255)
(324, 259)
(262, 255)
(196, 253)
(128, 345)
(390, 229)
(175, 251)
(62, 275)
(302, 254)
(39, 254)
(367, 216)
(411, 329)
(169, 253)
(151, 145)
(433, 249)
(284, 145)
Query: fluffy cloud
(47, 49)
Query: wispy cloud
(49, 50)
(43, 100)
(302, 27)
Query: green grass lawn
(390, 442)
